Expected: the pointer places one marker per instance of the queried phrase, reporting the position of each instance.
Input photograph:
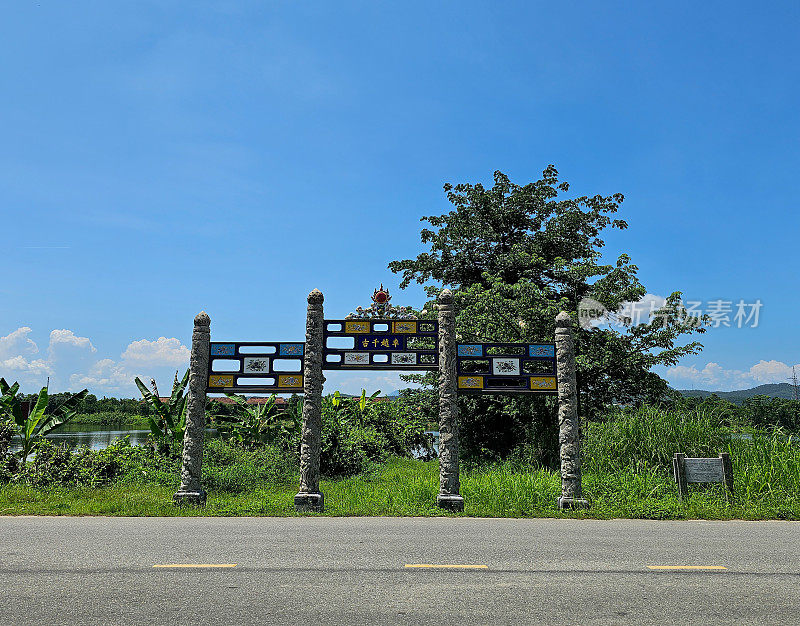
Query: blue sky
(159, 158)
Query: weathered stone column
(191, 492)
(449, 482)
(310, 498)
(569, 437)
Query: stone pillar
(568, 437)
(191, 492)
(449, 482)
(310, 498)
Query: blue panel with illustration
(470, 349)
(291, 349)
(542, 350)
(223, 349)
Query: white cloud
(15, 350)
(17, 343)
(771, 371)
(66, 337)
(713, 375)
(106, 375)
(72, 363)
(20, 364)
(162, 351)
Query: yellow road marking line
(178, 565)
(687, 567)
(446, 566)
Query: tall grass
(627, 473)
(767, 472)
(649, 437)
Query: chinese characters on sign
(377, 343)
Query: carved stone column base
(309, 502)
(450, 502)
(572, 503)
(196, 498)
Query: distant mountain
(779, 390)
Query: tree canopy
(515, 255)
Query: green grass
(627, 474)
(404, 487)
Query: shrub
(8, 463)
(120, 462)
(357, 432)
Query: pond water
(95, 436)
(98, 437)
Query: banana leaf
(62, 414)
(153, 400)
(37, 414)
(177, 390)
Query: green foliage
(515, 256)
(8, 463)
(765, 412)
(31, 424)
(168, 422)
(516, 428)
(257, 424)
(91, 404)
(120, 462)
(226, 466)
(758, 412)
(766, 476)
(358, 432)
(113, 420)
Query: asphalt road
(354, 571)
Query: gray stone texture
(569, 436)
(191, 491)
(449, 481)
(309, 498)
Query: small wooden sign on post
(702, 470)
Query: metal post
(449, 482)
(310, 498)
(568, 436)
(191, 491)
(679, 469)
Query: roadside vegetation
(369, 470)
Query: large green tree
(516, 255)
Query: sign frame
(702, 470)
(255, 365)
(395, 355)
(506, 368)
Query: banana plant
(256, 423)
(31, 424)
(362, 406)
(357, 408)
(169, 422)
(8, 397)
